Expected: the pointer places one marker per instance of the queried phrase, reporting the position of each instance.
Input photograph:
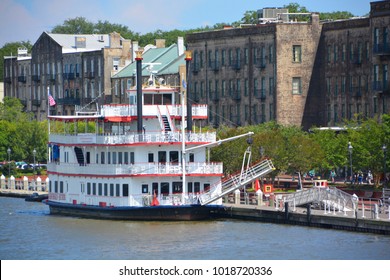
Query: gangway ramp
(330, 195)
(235, 182)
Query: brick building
(75, 69)
(294, 72)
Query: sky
(25, 20)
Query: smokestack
(188, 101)
(138, 59)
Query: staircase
(167, 127)
(235, 182)
(79, 155)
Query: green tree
(78, 25)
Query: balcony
(260, 94)
(214, 65)
(381, 49)
(261, 63)
(89, 75)
(195, 67)
(138, 169)
(36, 78)
(22, 79)
(36, 102)
(129, 139)
(68, 101)
(68, 76)
(380, 86)
(236, 65)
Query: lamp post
(384, 148)
(34, 153)
(350, 158)
(9, 159)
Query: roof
(87, 42)
(160, 60)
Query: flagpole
(48, 121)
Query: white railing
(152, 110)
(136, 169)
(91, 138)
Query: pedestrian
(332, 175)
(360, 178)
(369, 177)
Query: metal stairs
(167, 127)
(246, 176)
(330, 196)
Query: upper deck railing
(121, 110)
(130, 138)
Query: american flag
(52, 102)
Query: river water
(29, 232)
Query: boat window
(105, 189)
(145, 188)
(88, 159)
(148, 99)
(109, 157)
(113, 157)
(100, 188)
(102, 158)
(111, 189)
(126, 156)
(125, 189)
(162, 156)
(164, 188)
(177, 187)
(167, 99)
(94, 188)
(118, 189)
(206, 187)
(196, 187)
(174, 156)
(192, 157)
(155, 188)
(61, 187)
(88, 188)
(150, 157)
(189, 187)
(132, 157)
(119, 157)
(157, 99)
(56, 186)
(50, 190)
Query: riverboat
(139, 162)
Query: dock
(358, 221)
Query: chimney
(160, 43)
(180, 45)
(135, 48)
(115, 40)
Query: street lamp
(350, 158)
(34, 153)
(384, 148)
(9, 159)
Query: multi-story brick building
(75, 69)
(296, 73)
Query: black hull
(151, 213)
(36, 198)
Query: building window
(296, 85)
(297, 54)
(343, 52)
(246, 54)
(223, 57)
